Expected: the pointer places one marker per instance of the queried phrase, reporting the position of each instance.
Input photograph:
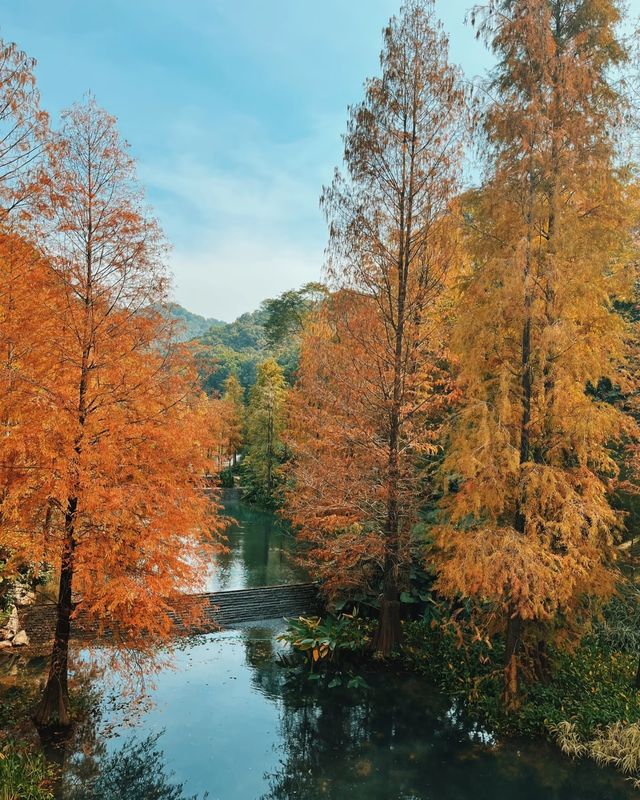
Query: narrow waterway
(229, 722)
(260, 549)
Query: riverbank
(586, 704)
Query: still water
(260, 549)
(231, 722)
(228, 722)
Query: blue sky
(234, 111)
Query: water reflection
(398, 742)
(137, 771)
(231, 722)
(228, 720)
(260, 549)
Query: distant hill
(238, 347)
(191, 325)
(273, 330)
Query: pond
(230, 721)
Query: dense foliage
(266, 451)
(273, 331)
(510, 430)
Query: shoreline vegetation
(588, 707)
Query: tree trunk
(53, 710)
(389, 632)
(514, 635)
(514, 622)
(541, 662)
(388, 636)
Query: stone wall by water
(213, 611)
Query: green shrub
(326, 640)
(590, 687)
(227, 480)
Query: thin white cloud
(234, 110)
(246, 224)
(225, 276)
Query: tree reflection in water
(136, 772)
(401, 740)
(280, 736)
(87, 768)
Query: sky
(234, 111)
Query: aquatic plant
(326, 639)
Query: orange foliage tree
(127, 519)
(370, 370)
(27, 418)
(23, 131)
(529, 524)
(24, 333)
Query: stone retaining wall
(217, 610)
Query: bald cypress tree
(390, 250)
(530, 526)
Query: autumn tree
(530, 463)
(333, 495)
(23, 131)
(127, 519)
(24, 333)
(266, 419)
(233, 397)
(371, 382)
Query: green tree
(233, 397)
(265, 427)
(286, 313)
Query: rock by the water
(20, 639)
(12, 627)
(25, 598)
